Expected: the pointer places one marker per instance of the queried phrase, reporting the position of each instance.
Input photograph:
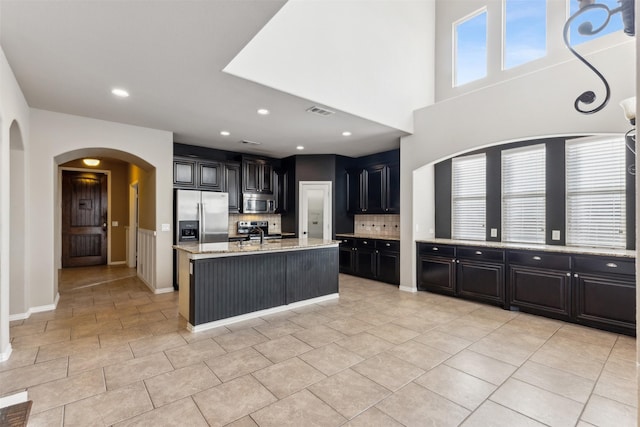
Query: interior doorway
(84, 218)
(315, 210)
(132, 244)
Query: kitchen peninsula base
(226, 283)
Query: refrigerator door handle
(199, 209)
(202, 224)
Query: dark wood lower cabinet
(371, 258)
(593, 290)
(539, 291)
(608, 303)
(437, 274)
(481, 281)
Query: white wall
(52, 135)
(530, 106)
(13, 107)
(373, 59)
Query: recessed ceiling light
(120, 92)
(263, 111)
(299, 147)
(346, 133)
(225, 133)
(91, 162)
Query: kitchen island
(223, 283)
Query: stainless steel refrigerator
(201, 216)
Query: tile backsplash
(274, 222)
(378, 225)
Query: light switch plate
(114, 223)
(494, 232)
(166, 227)
(555, 234)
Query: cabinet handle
(435, 249)
(575, 275)
(478, 252)
(388, 244)
(457, 261)
(612, 265)
(568, 274)
(536, 258)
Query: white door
(315, 210)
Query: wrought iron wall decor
(587, 28)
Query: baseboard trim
(164, 290)
(13, 399)
(38, 309)
(253, 315)
(117, 262)
(408, 289)
(6, 354)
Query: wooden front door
(84, 218)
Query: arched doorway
(121, 170)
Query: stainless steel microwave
(258, 203)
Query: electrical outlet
(114, 223)
(494, 232)
(555, 234)
(165, 227)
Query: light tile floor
(113, 353)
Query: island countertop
(208, 250)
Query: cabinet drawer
(437, 250)
(388, 245)
(548, 260)
(366, 243)
(495, 255)
(347, 242)
(604, 265)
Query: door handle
(104, 226)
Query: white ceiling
(68, 55)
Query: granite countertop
(367, 236)
(535, 247)
(245, 247)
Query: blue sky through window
(471, 49)
(597, 17)
(525, 31)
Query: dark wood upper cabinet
(257, 176)
(233, 187)
(281, 190)
(184, 172)
(374, 189)
(211, 176)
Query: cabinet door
(184, 173)
(392, 189)
(480, 280)
(366, 262)
(375, 185)
(232, 180)
(606, 302)
(354, 190)
(250, 176)
(389, 267)
(266, 177)
(211, 176)
(281, 190)
(436, 274)
(540, 291)
(346, 259)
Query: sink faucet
(261, 231)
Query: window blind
(468, 197)
(524, 194)
(596, 199)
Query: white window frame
(596, 204)
(503, 40)
(454, 38)
(469, 173)
(523, 194)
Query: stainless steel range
(253, 229)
